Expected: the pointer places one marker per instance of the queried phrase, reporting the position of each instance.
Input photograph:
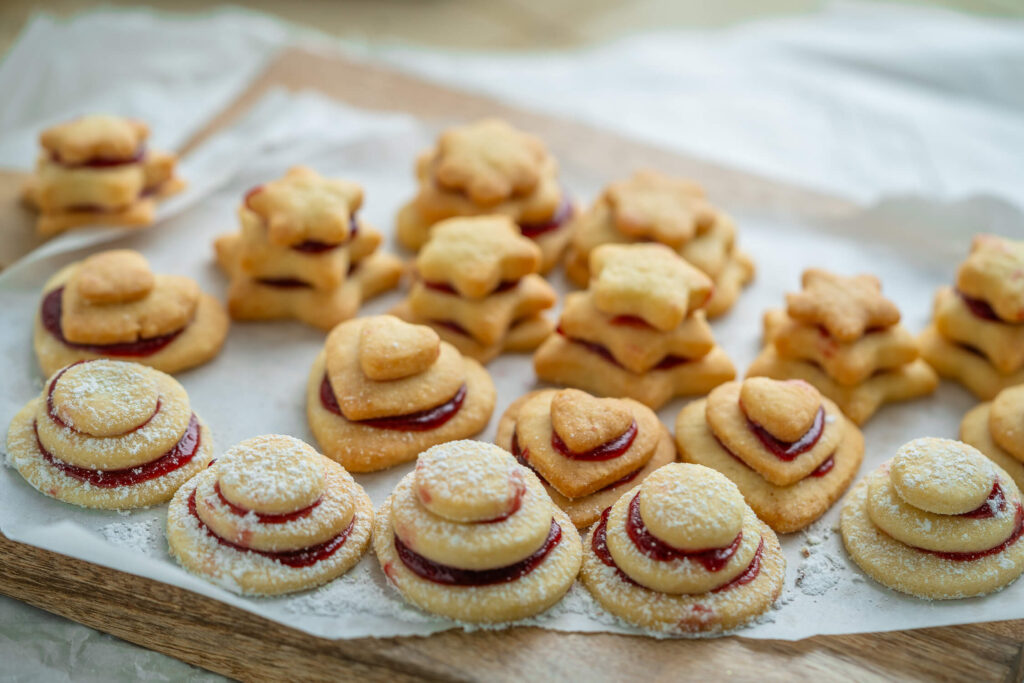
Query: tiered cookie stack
(270, 516)
(477, 285)
(382, 391)
(789, 450)
(841, 335)
(938, 521)
(639, 331)
(682, 553)
(651, 207)
(97, 169)
(490, 168)
(112, 305)
(471, 535)
(303, 253)
(977, 336)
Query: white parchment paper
(256, 385)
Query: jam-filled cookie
(98, 170)
(789, 450)
(652, 207)
(939, 521)
(639, 331)
(109, 434)
(270, 516)
(471, 535)
(844, 337)
(112, 305)
(489, 167)
(977, 335)
(383, 390)
(477, 285)
(303, 253)
(682, 553)
(586, 451)
(994, 428)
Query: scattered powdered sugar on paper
(361, 591)
(141, 536)
(819, 570)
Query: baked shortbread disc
(477, 285)
(683, 554)
(109, 434)
(383, 390)
(651, 207)
(938, 521)
(271, 516)
(471, 535)
(111, 305)
(490, 168)
(586, 451)
(789, 450)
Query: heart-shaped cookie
(584, 422)
(113, 277)
(785, 409)
(390, 348)
(574, 478)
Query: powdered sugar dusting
(141, 536)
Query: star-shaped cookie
(994, 273)
(304, 206)
(475, 255)
(653, 206)
(845, 306)
(94, 137)
(637, 347)
(490, 161)
(647, 280)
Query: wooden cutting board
(232, 642)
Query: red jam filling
(980, 308)
(994, 504)
(53, 307)
(630, 321)
(503, 286)
(599, 544)
(179, 456)
(305, 557)
(52, 414)
(420, 421)
(790, 450)
(284, 282)
(713, 559)
(102, 162)
(453, 576)
(824, 468)
(263, 517)
(522, 457)
(317, 247)
(517, 502)
(666, 363)
(606, 451)
(977, 555)
(560, 218)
